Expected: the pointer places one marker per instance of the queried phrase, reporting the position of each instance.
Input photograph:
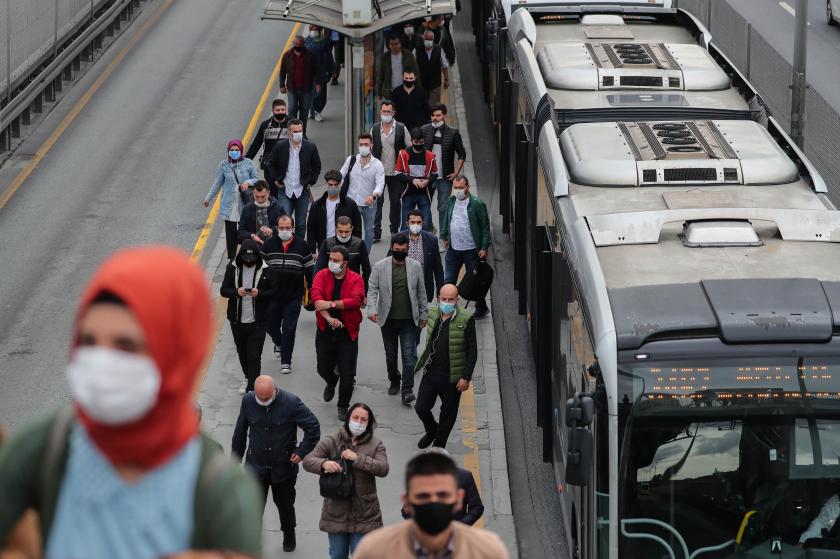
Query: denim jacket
(226, 181)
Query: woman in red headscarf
(235, 177)
(125, 472)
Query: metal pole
(55, 28)
(358, 74)
(348, 95)
(8, 51)
(800, 56)
(749, 49)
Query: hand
(331, 467)
(266, 231)
(372, 317)
(364, 302)
(418, 183)
(349, 455)
(254, 292)
(283, 90)
(336, 323)
(423, 323)
(241, 291)
(482, 254)
(295, 459)
(463, 385)
(243, 187)
(451, 176)
(279, 184)
(445, 243)
(317, 88)
(445, 84)
(369, 201)
(322, 305)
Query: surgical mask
(409, 30)
(433, 518)
(356, 428)
(314, 33)
(343, 239)
(386, 118)
(415, 228)
(336, 267)
(333, 192)
(399, 255)
(297, 137)
(234, 154)
(428, 44)
(364, 151)
(446, 308)
(113, 387)
(284, 235)
(262, 204)
(459, 193)
(265, 403)
(437, 124)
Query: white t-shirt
(438, 151)
(396, 70)
(459, 229)
(331, 205)
(247, 315)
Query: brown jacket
(395, 542)
(361, 514)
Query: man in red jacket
(338, 294)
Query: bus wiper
(673, 470)
(816, 445)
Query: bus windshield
(730, 459)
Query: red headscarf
(237, 143)
(170, 298)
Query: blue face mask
(447, 308)
(234, 154)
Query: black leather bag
(339, 485)
(476, 281)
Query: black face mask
(297, 48)
(419, 148)
(433, 518)
(409, 84)
(279, 117)
(399, 255)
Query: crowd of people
(126, 472)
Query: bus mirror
(579, 457)
(580, 411)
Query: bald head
(449, 292)
(429, 36)
(264, 387)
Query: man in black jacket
(446, 143)
(410, 104)
(295, 166)
(473, 507)
(327, 209)
(268, 421)
(247, 289)
(271, 131)
(358, 257)
(259, 216)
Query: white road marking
(787, 7)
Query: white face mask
(343, 238)
(459, 193)
(335, 267)
(265, 403)
(437, 124)
(415, 228)
(428, 44)
(113, 387)
(314, 33)
(262, 204)
(297, 137)
(356, 428)
(409, 30)
(284, 235)
(386, 118)
(364, 151)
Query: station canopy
(355, 18)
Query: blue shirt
(99, 514)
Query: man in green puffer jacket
(447, 364)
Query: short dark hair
(286, 216)
(260, 185)
(295, 122)
(416, 133)
(371, 424)
(409, 71)
(399, 239)
(343, 220)
(460, 178)
(278, 103)
(386, 102)
(332, 175)
(365, 136)
(439, 107)
(430, 464)
(415, 213)
(342, 251)
(394, 37)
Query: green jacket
(457, 342)
(227, 511)
(479, 221)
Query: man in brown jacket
(431, 496)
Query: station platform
(478, 441)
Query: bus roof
(559, 5)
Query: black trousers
(432, 387)
(283, 493)
(231, 238)
(394, 186)
(336, 350)
(249, 340)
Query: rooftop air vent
(734, 233)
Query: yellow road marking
(77, 108)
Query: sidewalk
(475, 443)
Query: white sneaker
(318, 117)
(243, 387)
(441, 246)
(285, 369)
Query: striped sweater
(289, 266)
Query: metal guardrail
(61, 67)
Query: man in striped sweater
(290, 262)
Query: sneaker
(277, 351)
(334, 82)
(408, 397)
(481, 313)
(394, 389)
(426, 441)
(243, 386)
(342, 413)
(329, 392)
(318, 117)
(285, 369)
(289, 541)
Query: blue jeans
(453, 261)
(368, 219)
(343, 544)
(282, 325)
(420, 200)
(444, 191)
(297, 208)
(299, 102)
(402, 332)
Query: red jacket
(402, 168)
(352, 294)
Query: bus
(678, 262)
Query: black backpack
(476, 281)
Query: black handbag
(340, 485)
(476, 281)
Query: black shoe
(342, 413)
(377, 238)
(334, 82)
(329, 392)
(289, 541)
(408, 397)
(427, 440)
(394, 389)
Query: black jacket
(316, 224)
(432, 265)
(359, 256)
(233, 281)
(289, 268)
(269, 133)
(271, 435)
(450, 146)
(412, 108)
(310, 162)
(248, 219)
(473, 506)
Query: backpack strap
(52, 468)
(345, 186)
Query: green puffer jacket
(479, 222)
(457, 344)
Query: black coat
(412, 108)
(451, 145)
(310, 162)
(233, 281)
(271, 435)
(316, 224)
(248, 219)
(432, 265)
